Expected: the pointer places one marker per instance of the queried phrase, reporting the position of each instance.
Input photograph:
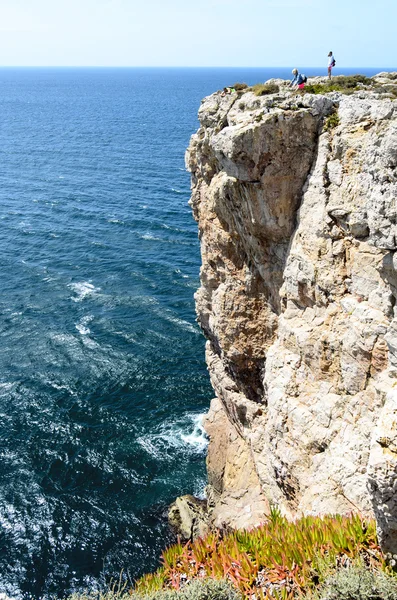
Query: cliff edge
(295, 199)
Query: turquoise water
(102, 378)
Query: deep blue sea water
(102, 374)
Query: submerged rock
(298, 230)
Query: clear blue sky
(247, 33)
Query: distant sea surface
(102, 374)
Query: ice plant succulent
(279, 559)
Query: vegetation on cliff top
(358, 583)
(331, 121)
(279, 559)
(313, 558)
(262, 89)
(346, 84)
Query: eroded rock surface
(188, 517)
(298, 230)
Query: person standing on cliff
(331, 63)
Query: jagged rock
(188, 517)
(234, 491)
(298, 230)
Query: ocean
(102, 381)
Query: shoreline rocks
(188, 517)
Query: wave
(197, 438)
(116, 221)
(83, 289)
(179, 272)
(186, 436)
(61, 387)
(149, 236)
(199, 488)
(82, 325)
(90, 343)
(181, 323)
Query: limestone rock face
(188, 517)
(298, 230)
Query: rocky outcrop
(297, 219)
(188, 517)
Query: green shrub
(239, 86)
(208, 589)
(317, 88)
(331, 122)
(351, 81)
(109, 595)
(262, 89)
(389, 89)
(359, 583)
(343, 83)
(199, 589)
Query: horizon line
(178, 67)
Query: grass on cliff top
(346, 84)
(262, 89)
(279, 559)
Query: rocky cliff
(295, 199)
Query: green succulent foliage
(359, 583)
(291, 557)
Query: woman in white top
(331, 63)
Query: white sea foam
(82, 330)
(199, 489)
(116, 221)
(82, 325)
(6, 386)
(83, 289)
(181, 323)
(57, 386)
(186, 436)
(197, 438)
(150, 236)
(90, 343)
